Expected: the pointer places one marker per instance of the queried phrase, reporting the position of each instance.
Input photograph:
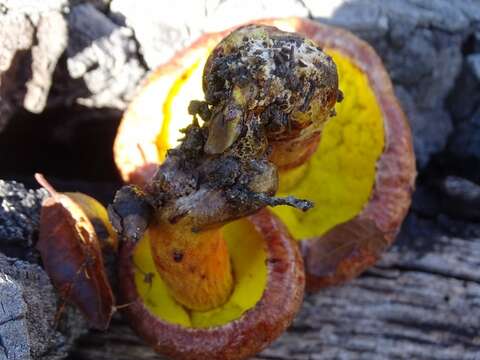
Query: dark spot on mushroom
(148, 278)
(340, 96)
(177, 256)
(272, 260)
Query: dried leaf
(72, 257)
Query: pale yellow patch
(175, 109)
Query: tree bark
(28, 309)
(421, 300)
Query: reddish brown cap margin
(243, 337)
(374, 229)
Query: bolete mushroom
(359, 169)
(205, 274)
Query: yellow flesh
(94, 210)
(175, 109)
(339, 178)
(248, 255)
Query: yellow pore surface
(340, 175)
(248, 255)
(175, 109)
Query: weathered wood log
(28, 310)
(31, 42)
(420, 301)
(60, 52)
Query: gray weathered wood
(32, 38)
(60, 52)
(28, 301)
(28, 306)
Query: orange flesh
(195, 266)
(247, 251)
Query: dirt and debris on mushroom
(262, 86)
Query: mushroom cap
(374, 228)
(242, 337)
(341, 250)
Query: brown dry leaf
(72, 257)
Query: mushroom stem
(195, 266)
(288, 155)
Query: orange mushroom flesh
(359, 173)
(195, 266)
(245, 248)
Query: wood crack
(16, 318)
(414, 268)
(3, 347)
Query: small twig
(301, 204)
(142, 153)
(46, 185)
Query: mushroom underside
(247, 250)
(360, 176)
(269, 286)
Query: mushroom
(206, 272)
(358, 167)
(268, 291)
